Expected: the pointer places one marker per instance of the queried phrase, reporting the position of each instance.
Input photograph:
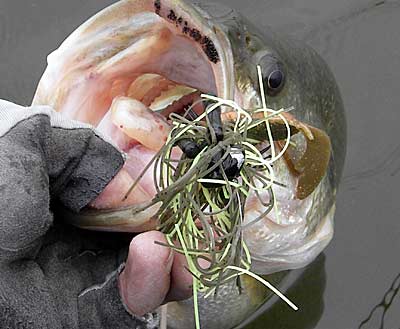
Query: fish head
(161, 55)
(294, 76)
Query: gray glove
(53, 275)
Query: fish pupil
(273, 74)
(275, 79)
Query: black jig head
(231, 165)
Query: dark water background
(360, 39)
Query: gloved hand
(53, 275)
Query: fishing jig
(234, 160)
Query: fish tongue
(109, 129)
(139, 122)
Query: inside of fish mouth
(171, 80)
(146, 88)
(176, 76)
(164, 96)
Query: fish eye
(275, 80)
(273, 74)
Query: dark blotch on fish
(206, 43)
(172, 16)
(210, 50)
(195, 34)
(157, 6)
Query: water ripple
(384, 305)
(389, 164)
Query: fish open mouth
(130, 66)
(125, 71)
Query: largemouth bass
(132, 64)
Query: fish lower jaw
(300, 250)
